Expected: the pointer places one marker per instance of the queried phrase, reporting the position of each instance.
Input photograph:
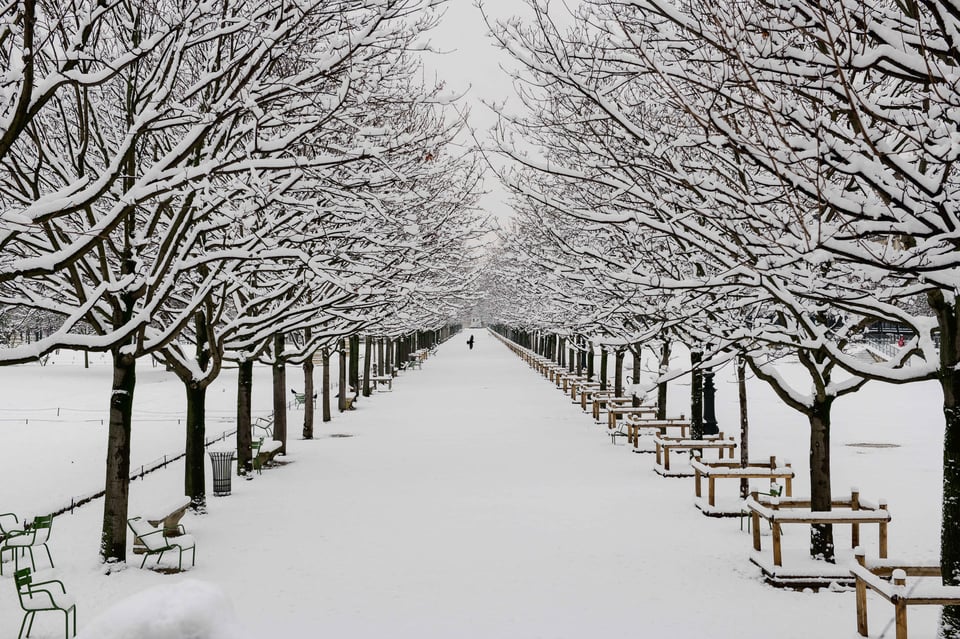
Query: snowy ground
(473, 501)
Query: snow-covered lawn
(475, 500)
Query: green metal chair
(255, 458)
(38, 596)
(23, 541)
(156, 543)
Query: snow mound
(189, 609)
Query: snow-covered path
(476, 501)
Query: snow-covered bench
(263, 451)
(379, 380)
(156, 542)
(169, 515)
(873, 574)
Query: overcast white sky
(471, 62)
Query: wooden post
(777, 552)
(900, 580)
(861, 597)
(789, 480)
(883, 532)
(696, 480)
(855, 506)
(711, 490)
(755, 520)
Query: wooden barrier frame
(615, 413)
(779, 511)
(634, 426)
(871, 575)
(665, 444)
(754, 469)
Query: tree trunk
(367, 355)
(636, 352)
(618, 373)
(326, 383)
(355, 365)
(662, 386)
(388, 356)
(308, 402)
(381, 368)
(744, 423)
(113, 537)
(696, 394)
(589, 355)
(821, 497)
(603, 369)
(561, 351)
(194, 477)
(342, 377)
(279, 394)
(244, 416)
(947, 318)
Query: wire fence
(139, 473)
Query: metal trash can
(222, 471)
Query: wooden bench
(873, 574)
(779, 511)
(380, 380)
(754, 469)
(664, 445)
(167, 518)
(263, 453)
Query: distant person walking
(470, 342)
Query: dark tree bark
(381, 368)
(326, 383)
(821, 497)
(194, 471)
(603, 369)
(194, 476)
(948, 319)
(662, 386)
(308, 402)
(367, 356)
(279, 394)
(355, 364)
(388, 356)
(342, 377)
(744, 423)
(618, 373)
(589, 356)
(113, 538)
(696, 394)
(244, 416)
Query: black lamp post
(709, 412)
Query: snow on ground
(473, 501)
